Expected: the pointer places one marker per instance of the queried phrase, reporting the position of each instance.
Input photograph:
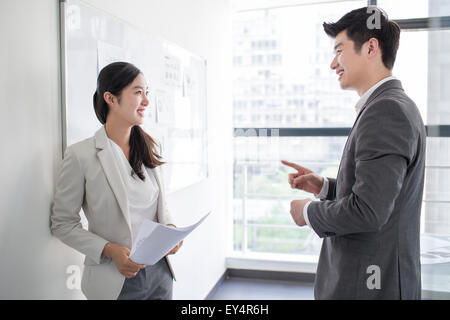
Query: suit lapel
(112, 173)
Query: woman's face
(132, 103)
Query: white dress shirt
(142, 195)
(362, 100)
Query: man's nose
(334, 63)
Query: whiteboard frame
(63, 57)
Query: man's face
(349, 64)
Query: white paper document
(155, 240)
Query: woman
(114, 176)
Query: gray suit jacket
(90, 179)
(372, 213)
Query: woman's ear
(109, 98)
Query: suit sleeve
(385, 145)
(65, 220)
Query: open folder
(155, 240)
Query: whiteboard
(176, 78)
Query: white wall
(33, 264)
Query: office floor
(255, 289)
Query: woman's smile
(141, 111)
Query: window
(261, 194)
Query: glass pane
(293, 240)
(435, 252)
(282, 75)
(238, 183)
(438, 77)
(407, 9)
(261, 182)
(437, 185)
(306, 150)
(407, 64)
(269, 211)
(435, 240)
(259, 158)
(436, 278)
(425, 75)
(437, 218)
(238, 218)
(404, 9)
(237, 236)
(438, 152)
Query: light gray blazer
(90, 179)
(372, 213)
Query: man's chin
(345, 86)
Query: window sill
(272, 262)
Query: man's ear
(373, 47)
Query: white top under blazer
(142, 195)
(90, 178)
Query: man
(369, 215)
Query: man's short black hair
(356, 24)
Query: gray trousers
(151, 283)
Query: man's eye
(147, 93)
(139, 92)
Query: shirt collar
(363, 99)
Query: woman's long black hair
(114, 78)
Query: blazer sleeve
(65, 220)
(386, 143)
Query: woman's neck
(119, 133)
